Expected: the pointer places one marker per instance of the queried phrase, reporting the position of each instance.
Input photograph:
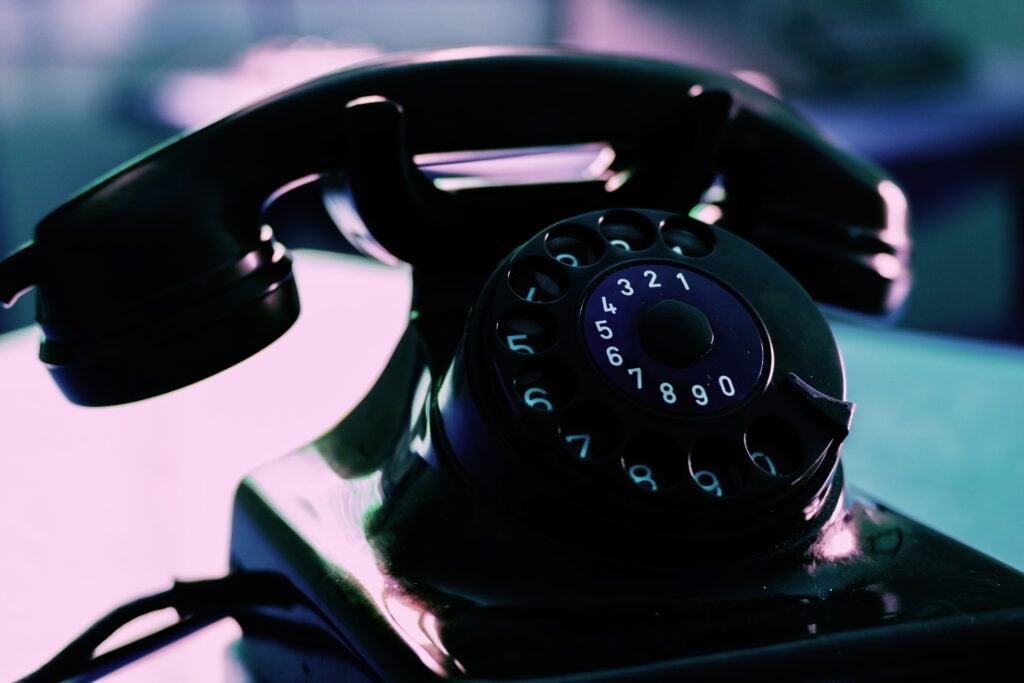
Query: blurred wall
(931, 90)
(73, 74)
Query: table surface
(99, 505)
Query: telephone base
(877, 596)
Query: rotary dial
(652, 358)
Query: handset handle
(163, 265)
(217, 178)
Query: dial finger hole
(774, 447)
(527, 331)
(719, 467)
(544, 389)
(589, 432)
(687, 237)
(652, 463)
(574, 245)
(538, 281)
(627, 231)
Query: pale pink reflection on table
(99, 505)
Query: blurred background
(930, 89)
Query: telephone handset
(608, 444)
(159, 274)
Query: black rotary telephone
(607, 447)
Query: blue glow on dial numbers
(535, 398)
(583, 440)
(764, 462)
(515, 345)
(643, 477)
(708, 480)
(722, 378)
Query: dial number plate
(721, 378)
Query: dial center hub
(673, 338)
(675, 333)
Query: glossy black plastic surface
(594, 441)
(117, 266)
(404, 597)
(427, 543)
(410, 574)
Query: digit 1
(682, 278)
